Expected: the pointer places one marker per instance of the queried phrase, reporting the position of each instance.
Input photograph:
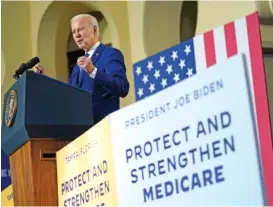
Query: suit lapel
(95, 57)
(97, 53)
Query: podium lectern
(40, 116)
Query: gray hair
(91, 19)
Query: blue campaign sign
(5, 171)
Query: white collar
(92, 50)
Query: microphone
(25, 66)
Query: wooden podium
(34, 174)
(40, 116)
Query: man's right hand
(39, 69)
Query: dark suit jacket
(109, 84)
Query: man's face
(83, 33)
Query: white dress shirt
(91, 52)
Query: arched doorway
(168, 23)
(54, 35)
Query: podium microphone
(25, 66)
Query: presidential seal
(11, 108)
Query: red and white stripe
(243, 36)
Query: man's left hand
(86, 64)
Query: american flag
(164, 69)
(196, 55)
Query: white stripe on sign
(220, 44)
(200, 55)
(243, 47)
(242, 43)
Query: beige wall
(16, 39)
(3, 68)
(215, 13)
(138, 28)
(136, 18)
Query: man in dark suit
(100, 71)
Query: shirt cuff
(93, 74)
